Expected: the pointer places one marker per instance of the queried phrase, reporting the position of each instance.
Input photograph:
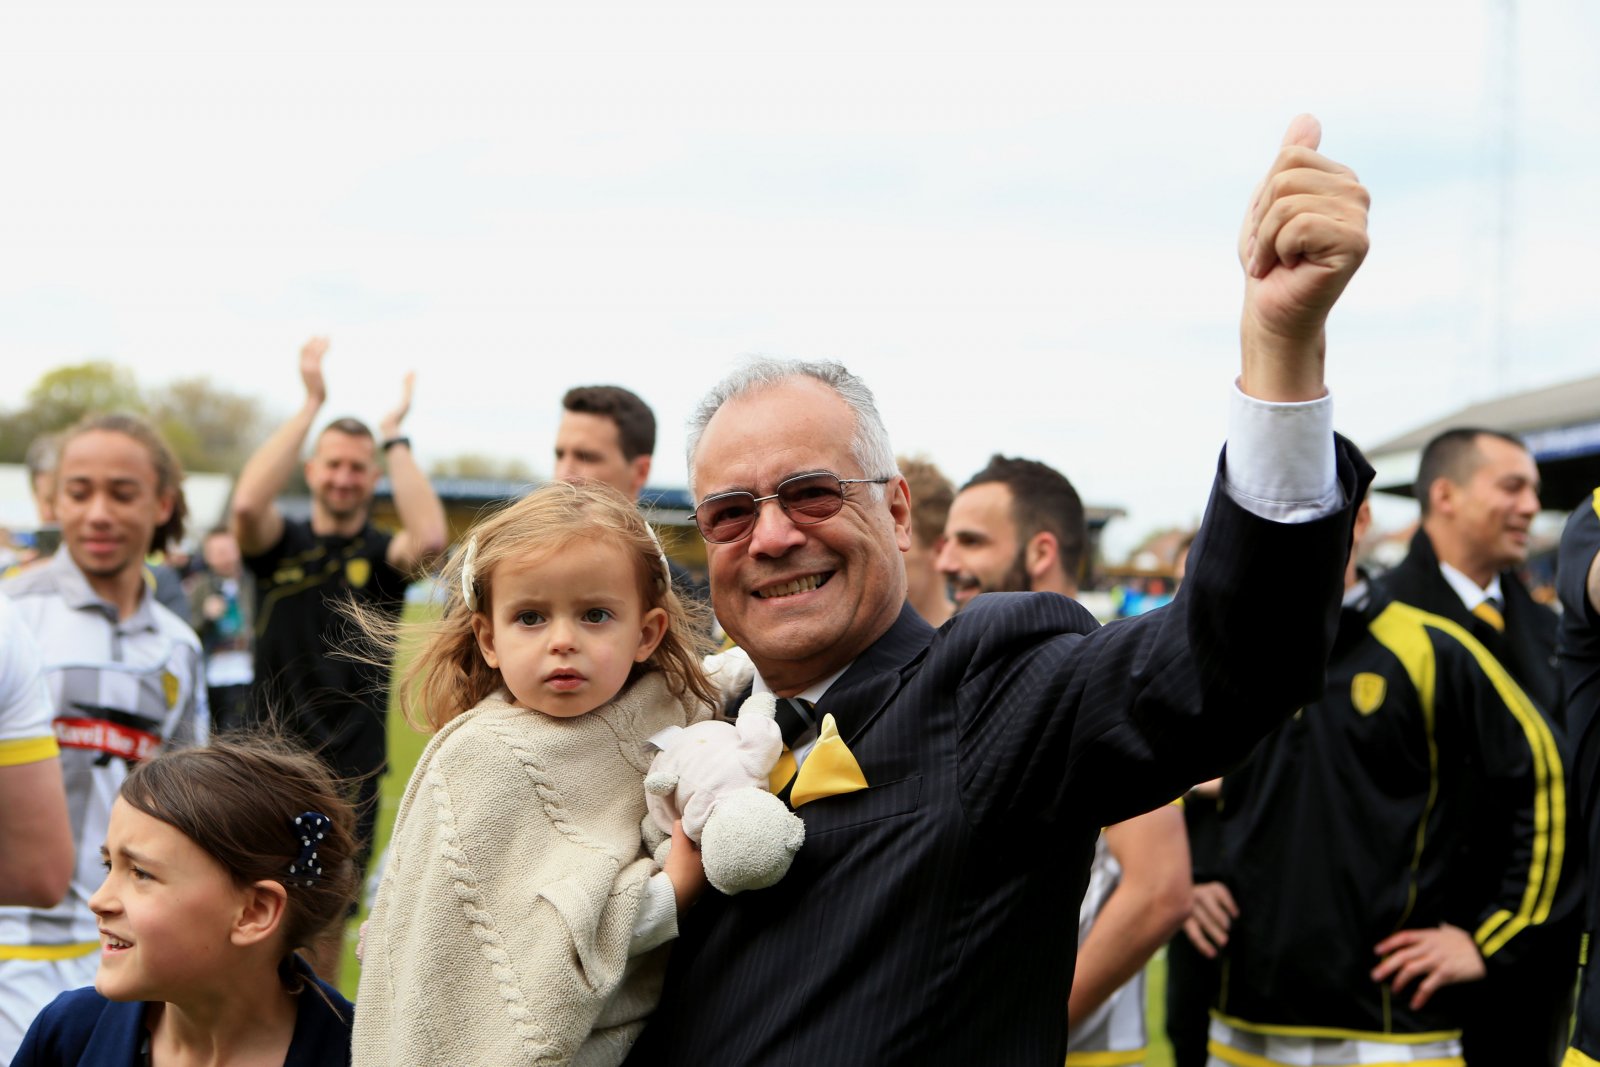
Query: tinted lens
(727, 517)
(811, 497)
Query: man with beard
(304, 571)
(1018, 526)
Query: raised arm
(1302, 240)
(422, 525)
(256, 521)
(1147, 907)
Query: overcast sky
(1016, 221)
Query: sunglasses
(806, 498)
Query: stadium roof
(1560, 424)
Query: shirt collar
(1468, 590)
(813, 693)
(79, 595)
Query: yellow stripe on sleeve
(28, 750)
(1106, 1059)
(49, 952)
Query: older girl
(220, 862)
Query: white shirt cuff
(657, 921)
(1279, 458)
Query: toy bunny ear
(660, 783)
(764, 705)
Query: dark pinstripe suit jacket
(932, 918)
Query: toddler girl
(518, 909)
(220, 861)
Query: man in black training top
(304, 569)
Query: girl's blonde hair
(448, 675)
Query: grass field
(406, 745)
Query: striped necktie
(1489, 612)
(795, 718)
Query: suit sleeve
(1058, 717)
(1580, 627)
(1518, 794)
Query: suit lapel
(859, 696)
(1521, 648)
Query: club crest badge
(357, 571)
(1367, 691)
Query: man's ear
(651, 631)
(1442, 496)
(1042, 555)
(483, 630)
(640, 467)
(262, 907)
(899, 493)
(165, 502)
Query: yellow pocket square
(829, 770)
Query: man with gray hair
(952, 783)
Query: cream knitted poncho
(504, 919)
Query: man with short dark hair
(1359, 898)
(1018, 526)
(1478, 491)
(305, 569)
(965, 772)
(607, 434)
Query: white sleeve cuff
(1279, 458)
(657, 921)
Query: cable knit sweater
(504, 922)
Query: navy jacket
(932, 917)
(81, 1028)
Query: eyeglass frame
(757, 501)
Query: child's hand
(684, 869)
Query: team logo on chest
(1367, 691)
(357, 571)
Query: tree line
(210, 427)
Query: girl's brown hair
(237, 798)
(448, 675)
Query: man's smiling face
(802, 600)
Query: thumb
(1304, 130)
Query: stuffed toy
(714, 776)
